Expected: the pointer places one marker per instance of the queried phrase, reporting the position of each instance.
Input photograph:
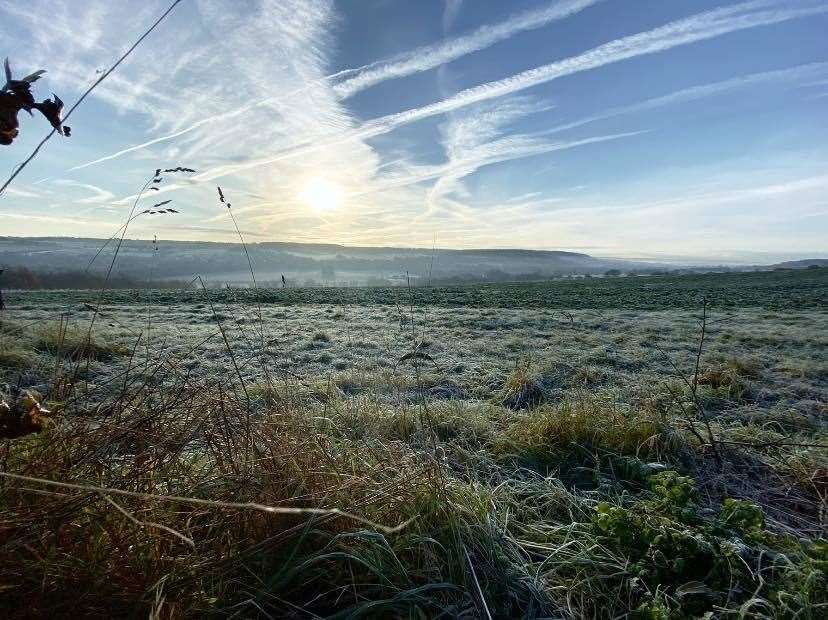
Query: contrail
(696, 28)
(479, 162)
(211, 119)
(414, 61)
(698, 92)
(429, 57)
(682, 32)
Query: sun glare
(321, 194)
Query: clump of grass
(730, 379)
(588, 423)
(10, 328)
(16, 356)
(75, 343)
(384, 381)
(588, 375)
(802, 369)
(321, 337)
(118, 548)
(745, 366)
(522, 388)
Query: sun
(321, 195)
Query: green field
(776, 290)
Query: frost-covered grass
(369, 461)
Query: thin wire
(86, 93)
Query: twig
(695, 386)
(138, 522)
(774, 444)
(197, 501)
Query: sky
(681, 130)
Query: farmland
(572, 448)
(776, 290)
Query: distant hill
(805, 263)
(302, 263)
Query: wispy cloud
(694, 93)
(450, 13)
(32, 219)
(20, 192)
(728, 211)
(425, 58)
(483, 136)
(98, 194)
(696, 28)
(76, 41)
(361, 78)
(682, 32)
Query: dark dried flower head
(51, 110)
(17, 95)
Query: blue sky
(665, 129)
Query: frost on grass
(535, 465)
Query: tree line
(24, 278)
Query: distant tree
(612, 273)
(27, 279)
